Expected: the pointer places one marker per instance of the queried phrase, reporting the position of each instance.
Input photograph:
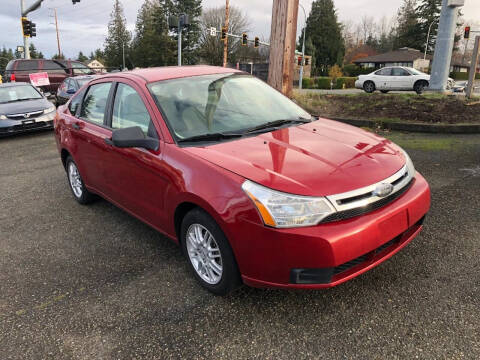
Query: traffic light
(224, 33)
(244, 39)
(467, 32)
(26, 27)
(307, 61)
(299, 61)
(257, 42)
(33, 29)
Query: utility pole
(473, 67)
(123, 55)
(225, 42)
(300, 80)
(282, 49)
(444, 46)
(428, 40)
(180, 28)
(26, 44)
(58, 35)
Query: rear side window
(95, 103)
(384, 72)
(400, 72)
(28, 65)
(129, 109)
(53, 67)
(74, 105)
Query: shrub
(308, 83)
(459, 76)
(335, 72)
(323, 82)
(352, 70)
(349, 82)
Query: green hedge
(349, 82)
(308, 83)
(462, 76)
(324, 83)
(353, 70)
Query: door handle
(76, 126)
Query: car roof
(12, 84)
(84, 77)
(172, 72)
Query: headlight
(283, 210)
(3, 117)
(409, 163)
(49, 110)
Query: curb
(414, 127)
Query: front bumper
(358, 84)
(11, 127)
(329, 254)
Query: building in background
(97, 66)
(402, 57)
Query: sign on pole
(39, 79)
(213, 31)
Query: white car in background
(397, 78)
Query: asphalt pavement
(92, 282)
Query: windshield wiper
(275, 124)
(17, 100)
(210, 137)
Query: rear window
(10, 65)
(27, 65)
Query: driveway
(94, 283)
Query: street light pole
(180, 28)
(25, 38)
(225, 43)
(123, 55)
(300, 82)
(428, 39)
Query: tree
(325, 32)
(190, 35)
(81, 57)
(210, 48)
(152, 45)
(428, 12)
(118, 37)
(409, 29)
(58, 57)
(34, 54)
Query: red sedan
(253, 188)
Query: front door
(135, 176)
(401, 78)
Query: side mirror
(133, 137)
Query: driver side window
(129, 110)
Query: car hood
(317, 159)
(25, 106)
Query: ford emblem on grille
(383, 190)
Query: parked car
(70, 86)
(252, 187)
(23, 108)
(58, 70)
(396, 78)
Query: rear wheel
(209, 253)
(79, 191)
(420, 86)
(369, 87)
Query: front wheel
(369, 87)
(209, 253)
(420, 87)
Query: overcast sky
(83, 26)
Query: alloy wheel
(75, 180)
(204, 254)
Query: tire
(369, 87)
(79, 191)
(384, 91)
(200, 232)
(420, 86)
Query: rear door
(136, 177)
(88, 132)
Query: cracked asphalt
(94, 283)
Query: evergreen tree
(190, 35)
(34, 54)
(118, 37)
(81, 57)
(409, 29)
(428, 12)
(152, 45)
(325, 33)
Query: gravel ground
(94, 283)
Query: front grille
(348, 214)
(25, 116)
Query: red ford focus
(252, 187)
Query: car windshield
(222, 104)
(415, 71)
(18, 93)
